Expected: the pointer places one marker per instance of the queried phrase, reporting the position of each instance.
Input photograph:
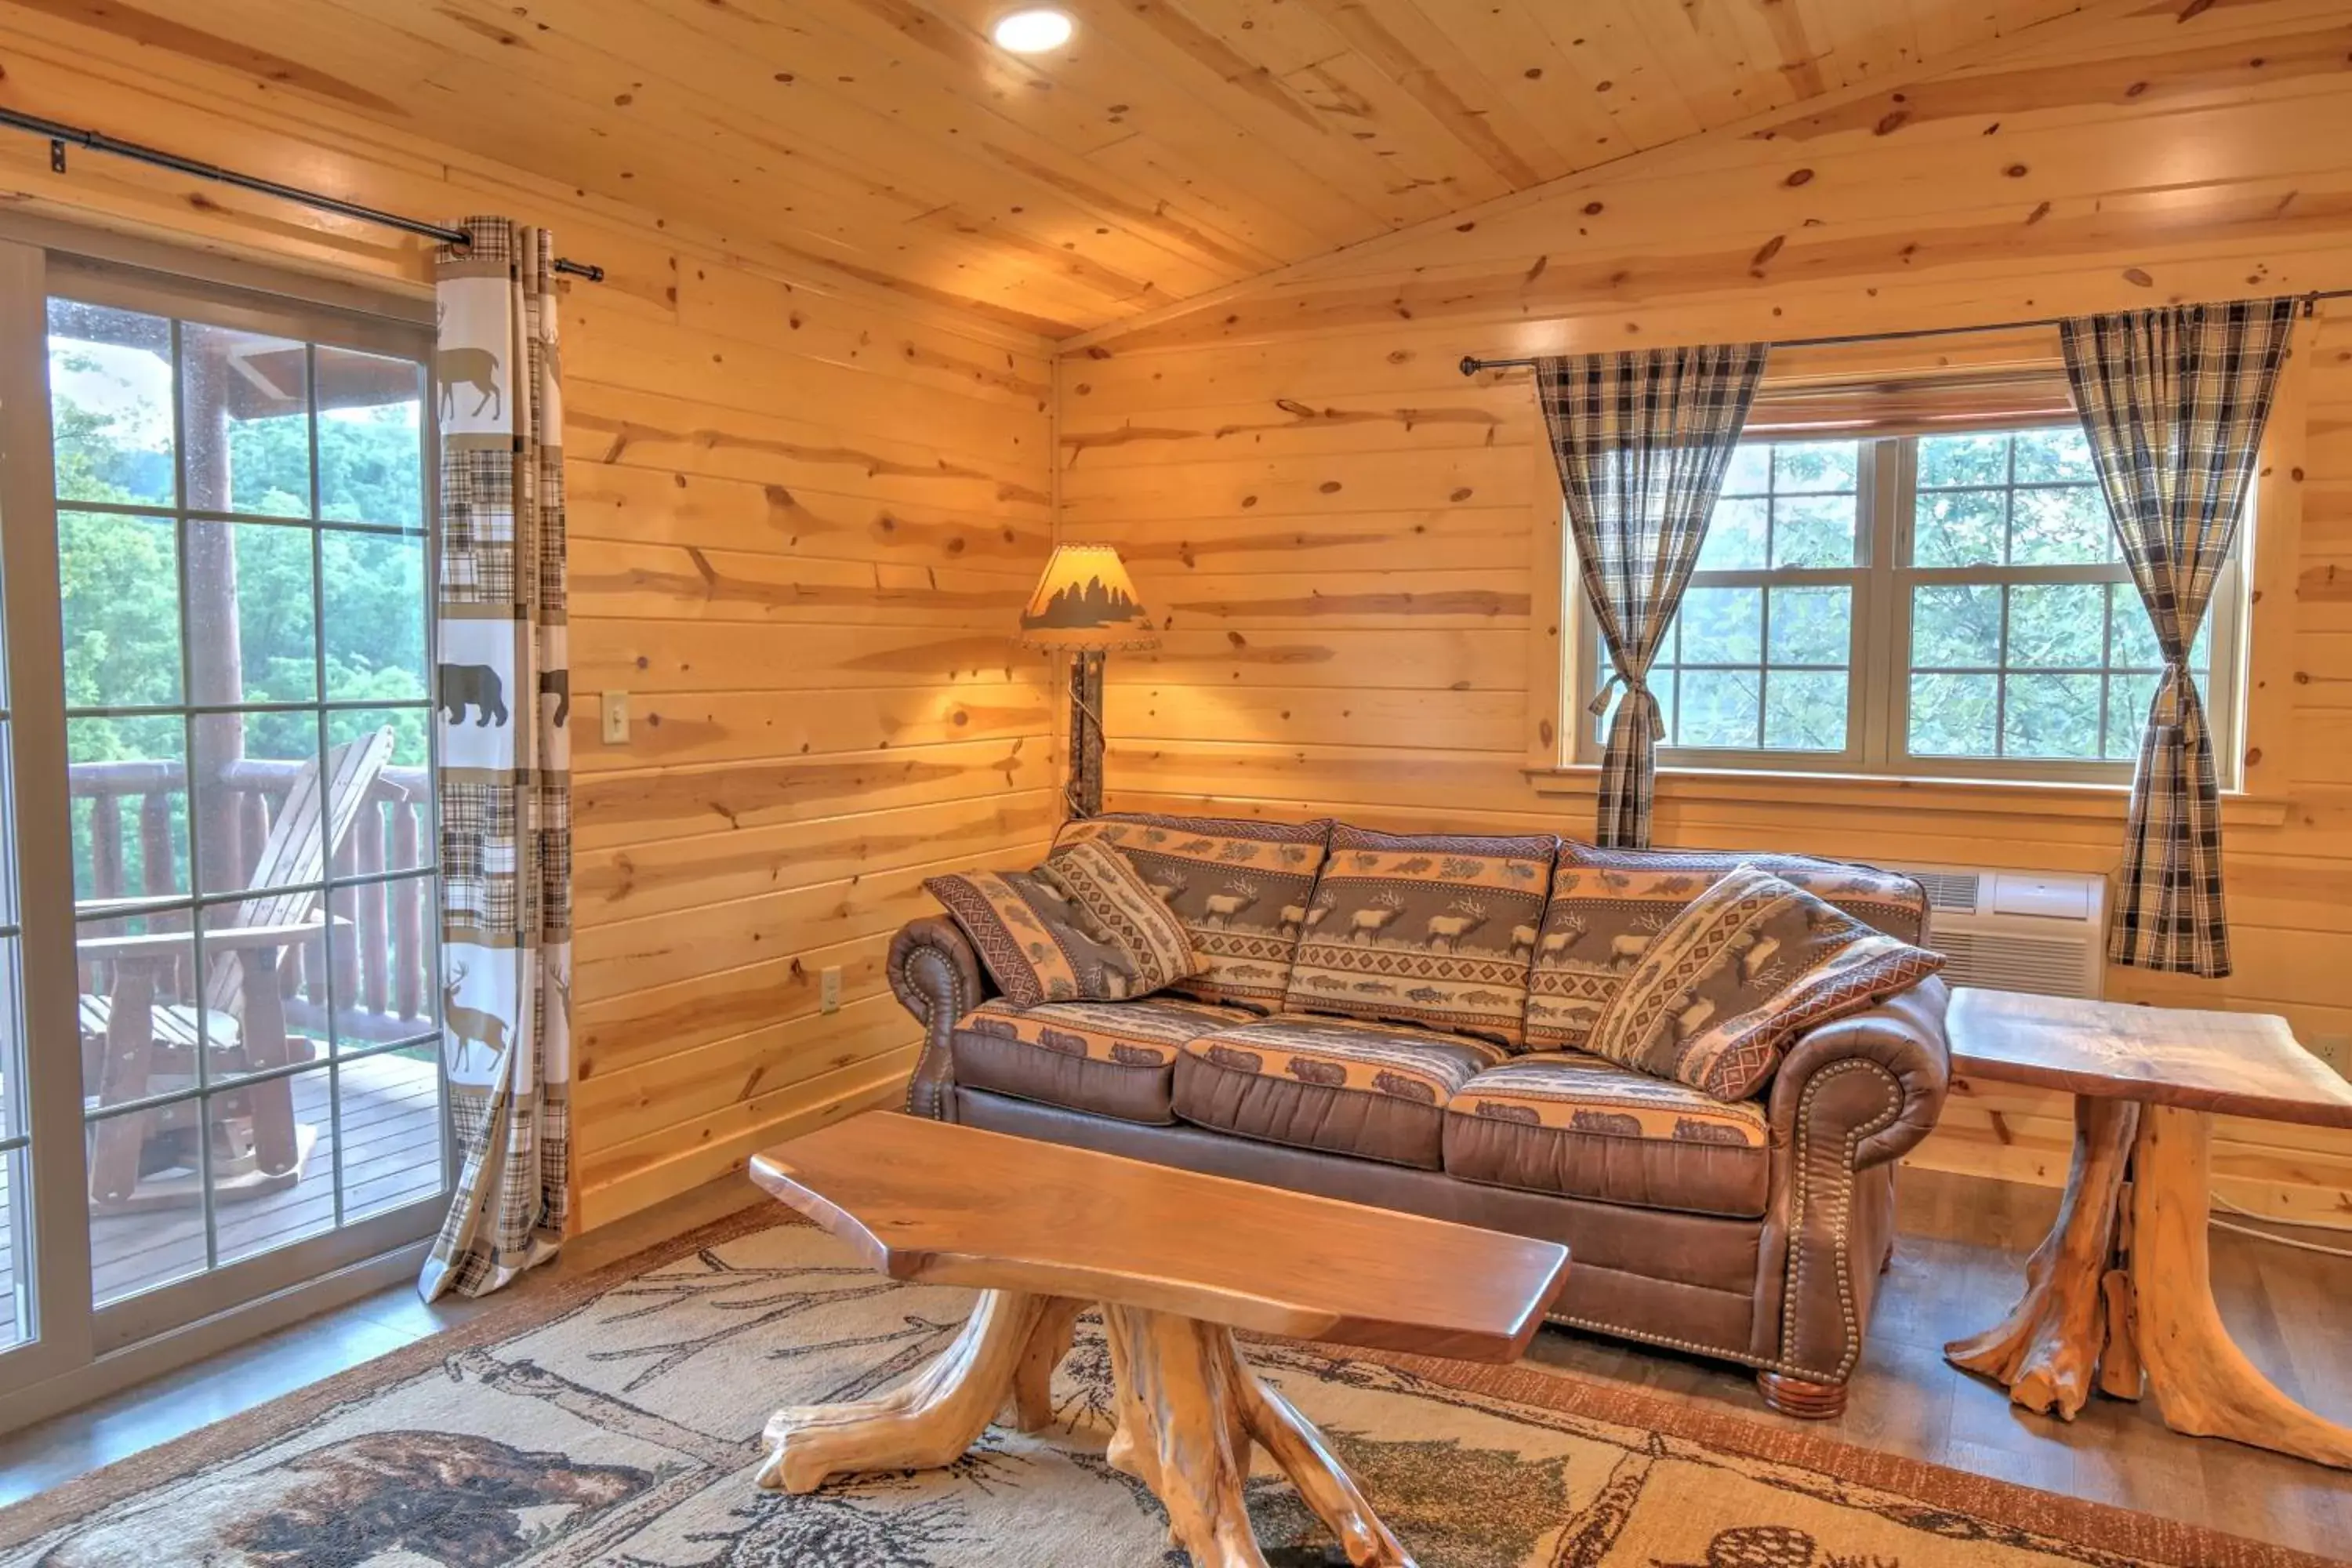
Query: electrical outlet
(2336, 1050)
(828, 989)
(617, 718)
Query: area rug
(614, 1420)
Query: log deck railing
(381, 981)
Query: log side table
(2122, 1285)
(1177, 1261)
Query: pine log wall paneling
(804, 515)
(1343, 535)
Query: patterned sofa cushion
(1112, 1058)
(1037, 944)
(1749, 965)
(1428, 929)
(1124, 910)
(1341, 1085)
(1240, 887)
(1607, 905)
(1581, 1127)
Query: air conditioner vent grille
(2050, 965)
(1954, 892)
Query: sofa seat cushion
(1110, 1058)
(1239, 887)
(1430, 930)
(1608, 905)
(1345, 1086)
(1576, 1125)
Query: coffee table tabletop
(1177, 1261)
(946, 1204)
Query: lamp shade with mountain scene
(1085, 602)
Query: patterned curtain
(2174, 401)
(504, 784)
(1643, 440)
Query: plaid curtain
(2174, 401)
(504, 784)
(1643, 440)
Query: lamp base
(1085, 787)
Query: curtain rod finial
(1469, 365)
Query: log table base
(1188, 1411)
(2121, 1289)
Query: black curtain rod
(59, 135)
(1472, 365)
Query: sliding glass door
(244, 1009)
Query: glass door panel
(17, 1283)
(242, 533)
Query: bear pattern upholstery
(1608, 905)
(1348, 1086)
(1585, 1128)
(1112, 1058)
(1432, 930)
(1240, 888)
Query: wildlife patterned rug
(614, 1420)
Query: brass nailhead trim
(1841, 1217)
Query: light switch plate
(828, 989)
(617, 718)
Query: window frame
(1879, 649)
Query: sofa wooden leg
(1806, 1401)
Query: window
(1949, 605)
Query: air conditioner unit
(2018, 931)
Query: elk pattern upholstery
(1566, 1122)
(1347, 1085)
(1608, 905)
(1433, 929)
(1240, 888)
(1749, 965)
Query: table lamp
(1085, 604)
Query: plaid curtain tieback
(1636, 687)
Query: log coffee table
(1177, 1261)
(2121, 1287)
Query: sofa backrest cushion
(1608, 904)
(1432, 930)
(1239, 887)
(1746, 967)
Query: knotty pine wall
(1344, 537)
(804, 517)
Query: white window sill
(1881, 792)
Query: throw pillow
(1239, 887)
(1041, 942)
(1123, 909)
(1724, 989)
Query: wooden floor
(1957, 1268)
(389, 1137)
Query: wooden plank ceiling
(1173, 147)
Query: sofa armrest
(1851, 1094)
(937, 976)
(1877, 1079)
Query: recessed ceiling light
(1032, 32)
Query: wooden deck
(391, 1137)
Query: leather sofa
(1368, 1029)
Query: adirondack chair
(134, 1049)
